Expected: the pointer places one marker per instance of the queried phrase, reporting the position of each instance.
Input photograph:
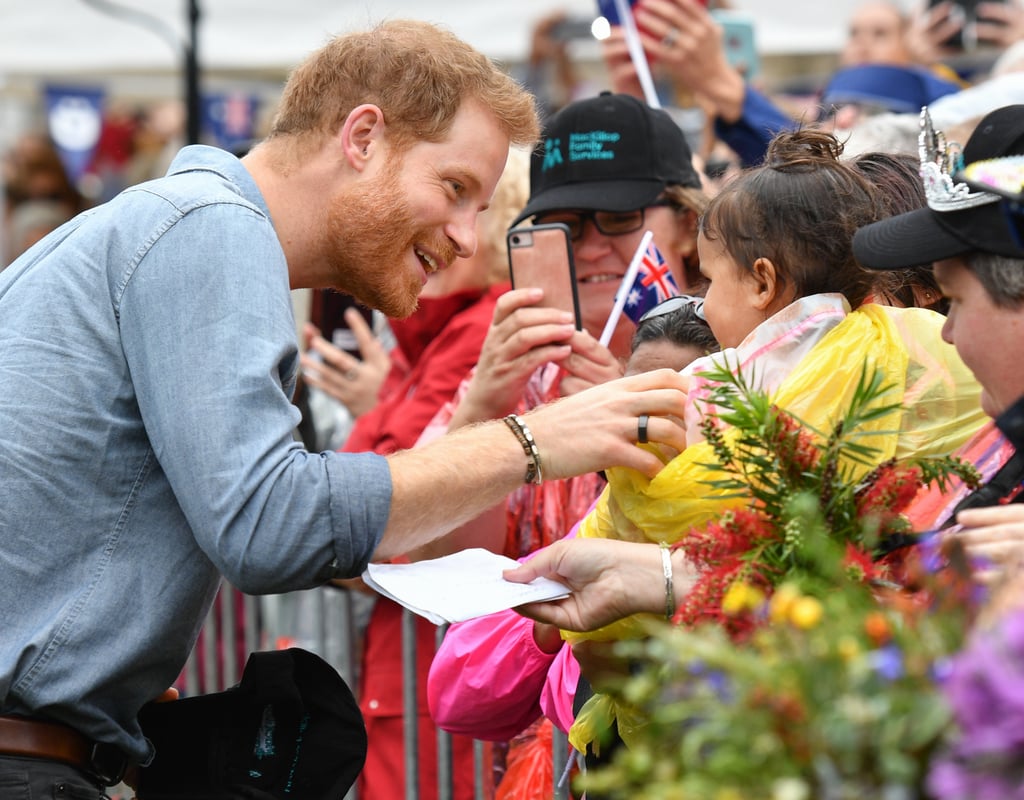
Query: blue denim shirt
(147, 361)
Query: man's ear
(771, 293)
(361, 135)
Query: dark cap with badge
(612, 152)
(290, 729)
(960, 218)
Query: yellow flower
(806, 612)
(849, 648)
(782, 602)
(741, 597)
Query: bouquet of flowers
(805, 500)
(799, 668)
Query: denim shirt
(147, 360)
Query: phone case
(541, 256)
(738, 40)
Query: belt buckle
(107, 763)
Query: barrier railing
(238, 624)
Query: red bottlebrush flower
(749, 523)
(712, 543)
(888, 490)
(735, 532)
(703, 603)
(793, 445)
(858, 564)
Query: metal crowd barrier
(238, 625)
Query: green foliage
(829, 688)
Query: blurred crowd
(135, 143)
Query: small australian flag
(653, 284)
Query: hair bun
(803, 148)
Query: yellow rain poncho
(941, 412)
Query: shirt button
(373, 704)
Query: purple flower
(888, 662)
(929, 547)
(985, 689)
(941, 669)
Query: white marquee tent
(102, 42)
(61, 36)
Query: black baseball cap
(927, 234)
(290, 729)
(612, 152)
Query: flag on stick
(647, 282)
(653, 284)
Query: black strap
(1011, 424)
(1007, 480)
(1003, 484)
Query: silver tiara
(939, 162)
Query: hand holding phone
(738, 41)
(541, 256)
(963, 15)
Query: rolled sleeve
(360, 505)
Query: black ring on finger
(641, 428)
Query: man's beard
(370, 234)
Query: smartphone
(738, 40)
(966, 38)
(572, 28)
(328, 314)
(541, 256)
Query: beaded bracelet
(525, 438)
(666, 568)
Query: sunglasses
(674, 304)
(608, 223)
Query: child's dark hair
(897, 179)
(799, 209)
(680, 326)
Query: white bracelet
(666, 568)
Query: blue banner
(74, 116)
(229, 118)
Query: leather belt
(31, 738)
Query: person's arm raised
(689, 44)
(522, 337)
(439, 486)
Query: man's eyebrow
(466, 173)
